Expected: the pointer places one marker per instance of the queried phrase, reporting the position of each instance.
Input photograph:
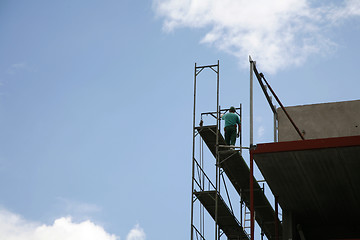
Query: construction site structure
(228, 163)
(312, 169)
(317, 180)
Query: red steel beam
(252, 222)
(309, 144)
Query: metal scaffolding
(206, 194)
(210, 194)
(199, 182)
(208, 201)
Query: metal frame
(197, 71)
(200, 180)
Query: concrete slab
(318, 181)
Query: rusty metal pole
(252, 222)
(282, 107)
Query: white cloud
(276, 33)
(137, 233)
(79, 209)
(349, 9)
(65, 229)
(14, 227)
(17, 67)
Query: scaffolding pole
(197, 71)
(252, 227)
(251, 100)
(193, 160)
(217, 232)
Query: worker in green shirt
(231, 120)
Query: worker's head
(232, 109)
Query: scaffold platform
(225, 219)
(238, 173)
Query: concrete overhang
(317, 180)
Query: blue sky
(96, 100)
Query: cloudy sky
(96, 101)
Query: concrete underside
(318, 182)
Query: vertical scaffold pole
(193, 163)
(194, 231)
(251, 100)
(252, 223)
(217, 232)
(275, 125)
(240, 129)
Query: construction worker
(231, 120)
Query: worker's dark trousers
(230, 135)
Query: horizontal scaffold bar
(207, 66)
